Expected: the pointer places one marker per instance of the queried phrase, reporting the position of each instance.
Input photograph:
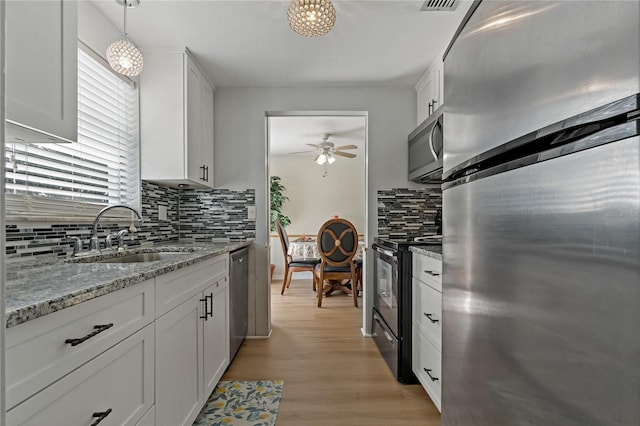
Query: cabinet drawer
(428, 270)
(427, 364)
(176, 287)
(427, 312)
(120, 379)
(37, 355)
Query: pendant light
(311, 18)
(123, 56)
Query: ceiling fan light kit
(123, 56)
(327, 152)
(311, 18)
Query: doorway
(318, 188)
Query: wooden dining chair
(337, 245)
(291, 264)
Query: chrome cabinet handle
(430, 317)
(432, 273)
(100, 416)
(98, 329)
(428, 371)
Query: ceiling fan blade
(346, 147)
(302, 152)
(345, 154)
(314, 145)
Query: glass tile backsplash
(192, 215)
(407, 213)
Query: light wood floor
(333, 375)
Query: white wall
(313, 199)
(241, 151)
(94, 29)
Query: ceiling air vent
(439, 5)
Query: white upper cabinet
(176, 120)
(430, 90)
(41, 71)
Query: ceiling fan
(327, 151)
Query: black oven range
(392, 304)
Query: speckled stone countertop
(431, 251)
(43, 285)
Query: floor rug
(242, 403)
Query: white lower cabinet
(216, 336)
(426, 360)
(427, 365)
(178, 364)
(43, 350)
(192, 348)
(116, 386)
(107, 362)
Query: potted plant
(277, 198)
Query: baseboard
(259, 337)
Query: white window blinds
(77, 179)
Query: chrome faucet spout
(95, 244)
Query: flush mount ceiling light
(311, 18)
(123, 56)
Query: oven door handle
(383, 251)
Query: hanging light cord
(124, 28)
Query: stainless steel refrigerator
(541, 205)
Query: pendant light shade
(123, 56)
(311, 18)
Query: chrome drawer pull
(428, 371)
(98, 329)
(100, 416)
(431, 319)
(433, 273)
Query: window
(77, 179)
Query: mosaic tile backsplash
(217, 214)
(407, 213)
(212, 215)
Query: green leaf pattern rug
(242, 403)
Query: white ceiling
(291, 134)
(244, 43)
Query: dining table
(307, 247)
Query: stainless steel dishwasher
(238, 299)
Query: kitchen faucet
(95, 243)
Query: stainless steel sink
(141, 257)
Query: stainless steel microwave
(426, 150)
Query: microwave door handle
(433, 151)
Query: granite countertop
(43, 285)
(431, 251)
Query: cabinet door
(439, 77)
(216, 335)
(207, 132)
(118, 383)
(179, 385)
(41, 66)
(193, 145)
